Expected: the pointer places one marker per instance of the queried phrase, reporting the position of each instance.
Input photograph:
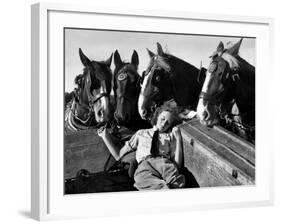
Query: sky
(100, 44)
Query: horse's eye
(213, 67)
(157, 78)
(122, 76)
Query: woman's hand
(103, 132)
(177, 133)
(178, 157)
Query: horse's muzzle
(122, 119)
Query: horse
(126, 87)
(90, 105)
(230, 80)
(168, 78)
(68, 97)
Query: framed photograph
(100, 81)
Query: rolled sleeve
(130, 145)
(133, 142)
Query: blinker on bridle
(91, 99)
(214, 99)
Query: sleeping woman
(159, 152)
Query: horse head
(94, 86)
(167, 78)
(126, 86)
(156, 85)
(220, 86)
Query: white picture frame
(48, 201)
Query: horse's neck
(138, 122)
(245, 90)
(187, 89)
(246, 72)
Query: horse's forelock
(163, 62)
(231, 60)
(128, 67)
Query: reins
(211, 99)
(241, 125)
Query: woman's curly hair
(162, 108)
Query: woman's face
(164, 121)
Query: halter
(146, 74)
(125, 76)
(91, 99)
(214, 99)
(74, 112)
(211, 99)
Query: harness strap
(74, 105)
(93, 100)
(208, 98)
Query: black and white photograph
(157, 111)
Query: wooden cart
(214, 156)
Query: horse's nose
(143, 113)
(101, 113)
(204, 115)
(121, 119)
(117, 118)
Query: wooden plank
(213, 161)
(235, 138)
(91, 157)
(84, 150)
(230, 140)
(90, 136)
(82, 137)
(221, 150)
(205, 169)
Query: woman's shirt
(141, 142)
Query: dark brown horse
(126, 86)
(230, 80)
(168, 78)
(91, 105)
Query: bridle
(156, 91)
(91, 99)
(214, 99)
(73, 109)
(121, 76)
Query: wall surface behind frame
(15, 111)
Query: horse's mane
(129, 67)
(231, 60)
(185, 79)
(247, 71)
(178, 66)
(245, 88)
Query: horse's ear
(135, 59)
(108, 61)
(150, 53)
(234, 50)
(220, 48)
(84, 59)
(201, 75)
(117, 59)
(160, 49)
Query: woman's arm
(113, 149)
(178, 156)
